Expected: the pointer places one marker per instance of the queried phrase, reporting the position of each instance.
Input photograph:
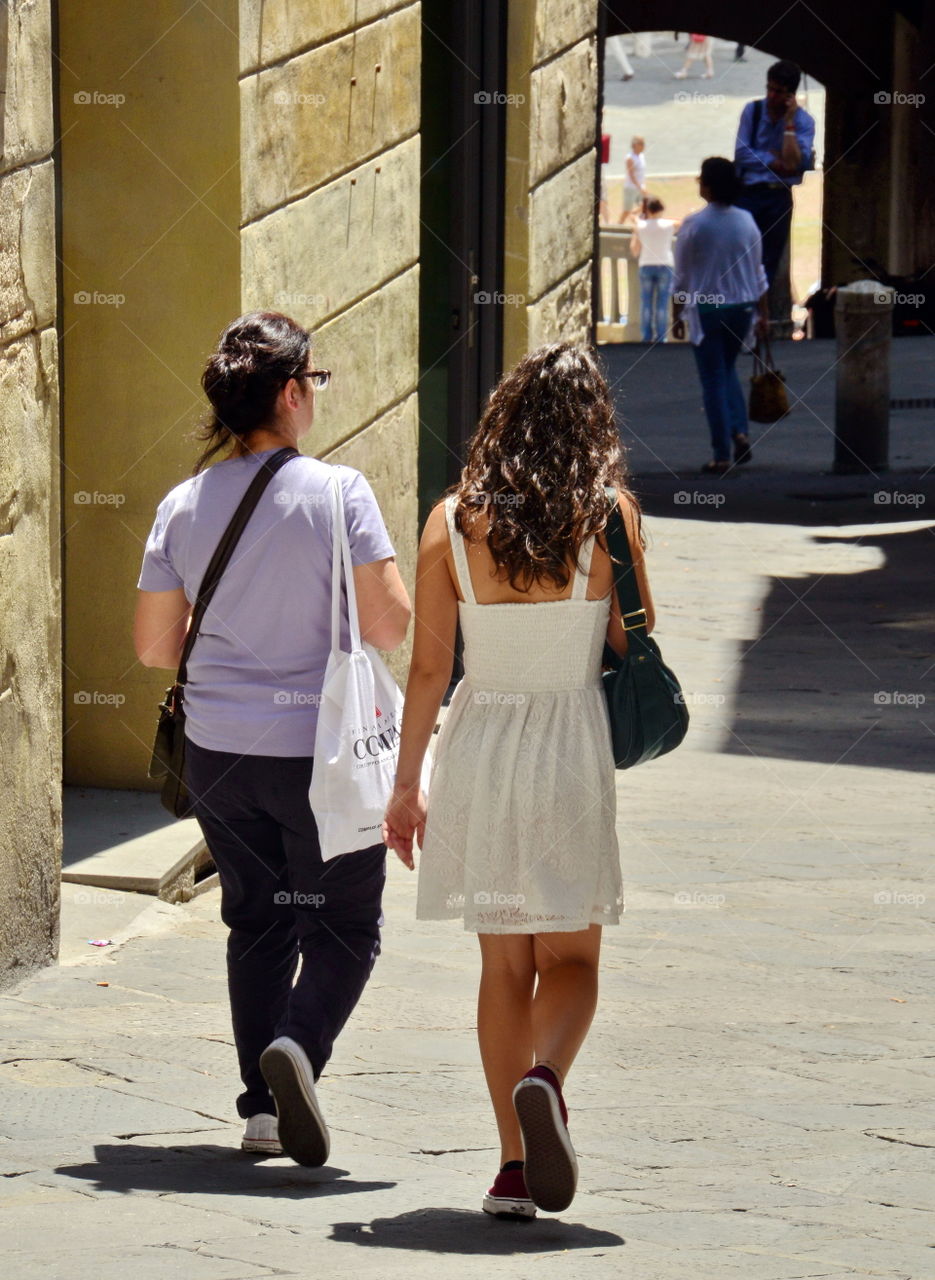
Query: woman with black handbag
(518, 834)
(254, 664)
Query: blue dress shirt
(753, 155)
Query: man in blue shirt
(775, 141)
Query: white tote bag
(359, 719)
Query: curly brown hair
(539, 461)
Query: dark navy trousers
(281, 902)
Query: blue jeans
(655, 292)
(280, 900)
(724, 329)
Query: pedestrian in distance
(651, 244)
(774, 148)
(518, 834)
(699, 46)
(254, 680)
(719, 284)
(617, 46)
(634, 176)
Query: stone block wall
(550, 170)
(30, 641)
(330, 162)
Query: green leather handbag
(645, 703)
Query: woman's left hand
(404, 818)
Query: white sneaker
(261, 1134)
(302, 1130)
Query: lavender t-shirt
(256, 669)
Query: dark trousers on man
(280, 901)
(770, 203)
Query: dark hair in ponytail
(256, 356)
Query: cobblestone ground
(755, 1099)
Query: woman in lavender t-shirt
(254, 681)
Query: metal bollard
(863, 321)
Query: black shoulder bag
(168, 760)
(647, 710)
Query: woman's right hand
(404, 818)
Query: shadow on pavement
(209, 1170)
(843, 667)
(463, 1231)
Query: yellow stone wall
(30, 640)
(330, 116)
(550, 170)
(150, 275)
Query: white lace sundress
(520, 835)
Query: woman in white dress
(518, 835)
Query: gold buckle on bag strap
(639, 614)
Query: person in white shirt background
(651, 244)
(634, 179)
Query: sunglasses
(320, 377)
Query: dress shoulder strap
(460, 555)
(579, 590)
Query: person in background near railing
(775, 141)
(254, 684)
(719, 283)
(651, 243)
(634, 179)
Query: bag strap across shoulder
(618, 544)
(225, 549)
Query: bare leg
(504, 1027)
(566, 995)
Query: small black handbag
(168, 758)
(645, 703)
